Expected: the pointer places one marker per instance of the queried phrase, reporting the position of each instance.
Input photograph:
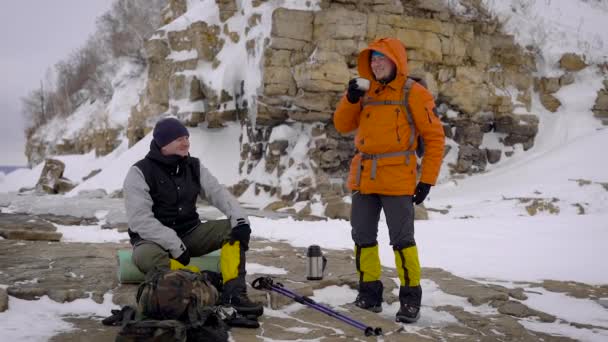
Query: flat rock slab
(66, 271)
(25, 222)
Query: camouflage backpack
(169, 295)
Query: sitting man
(160, 196)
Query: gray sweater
(138, 203)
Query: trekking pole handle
(262, 283)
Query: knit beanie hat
(167, 130)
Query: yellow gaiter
(408, 266)
(367, 260)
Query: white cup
(363, 83)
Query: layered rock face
(481, 79)
(479, 76)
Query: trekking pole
(266, 283)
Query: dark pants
(399, 213)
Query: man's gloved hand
(354, 93)
(241, 233)
(422, 190)
(184, 258)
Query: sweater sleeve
(221, 198)
(138, 204)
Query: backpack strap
(408, 114)
(407, 87)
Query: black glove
(354, 93)
(241, 233)
(422, 190)
(184, 258)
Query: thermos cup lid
(314, 251)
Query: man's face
(179, 146)
(382, 67)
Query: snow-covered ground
(485, 230)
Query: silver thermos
(316, 263)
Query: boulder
(520, 128)
(549, 85)
(50, 175)
(493, 155)
(550, 102)
(469, 134)
(337, 209)
(601, 104)
(64, 185)
(566, 79)
(470, 159)
(572, 62)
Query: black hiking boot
(127, 313)
(234, 319)
(370, 296)
(244, 306)
(408, 314)
(368, 305)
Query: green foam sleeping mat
(129, 274)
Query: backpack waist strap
(374, 158)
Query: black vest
(174, 187)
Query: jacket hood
(156, 155)
(390, 47)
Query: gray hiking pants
(399, 213)
(205, 238)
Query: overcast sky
(34, 35)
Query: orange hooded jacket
(384, 129)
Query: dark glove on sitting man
(241, 233)
(184, 258)
(422, 190)
(354, 93)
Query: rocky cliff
(294, 63)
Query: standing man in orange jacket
(389, 118)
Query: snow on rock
(556, 27)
